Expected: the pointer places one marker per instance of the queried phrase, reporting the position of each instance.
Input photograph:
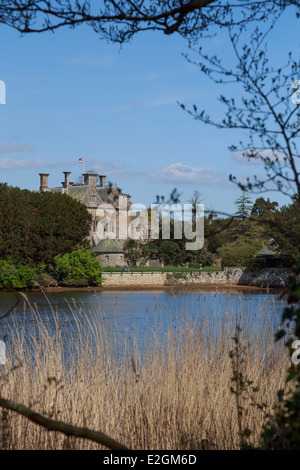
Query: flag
(81, 160)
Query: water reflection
(131, 318)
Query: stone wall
(131, 279)
(267, 277)
(111, 259)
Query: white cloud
(11, 164)
(11, 148)
(183, 174)
(14, 164)
(114, 169)
(106, 166)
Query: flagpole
(81, 160)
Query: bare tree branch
(119, 21)
(262, 107)
(68, 429)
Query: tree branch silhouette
(60, 426)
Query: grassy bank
(167, 393)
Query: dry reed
(164, 394)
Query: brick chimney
(43, 181)
(102, 181)
(90, 179)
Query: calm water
(131, 317)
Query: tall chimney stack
(90, 179)
(43, 181)
(102, 181)
(66, 183)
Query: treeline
(232, 241)
(79, 268)
(43, 240)
(255, 226)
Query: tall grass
(169, 393)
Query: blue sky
(71, 95)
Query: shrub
(194, 265)
(176, 276)
(239, 253)
(15, 276)
(80, 267)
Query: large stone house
(93, 192)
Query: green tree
(35, 227)
(61, 223)
(243, 236)
(241, 252)
(242, 225)
(169, 251)
(80, 268)
(150, 250)
(217, 233)
(132, 250)
(284, 228)
(15, 276)
(244, 206)
(264, 208)
(196, 257)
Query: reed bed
(170, 392)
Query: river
(131, 318)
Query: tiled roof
(266, 251)
(107, 245)
(269, 248)
(103, 193)
(76, 192)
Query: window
(106, 259)
(92, 198)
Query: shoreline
(233, 280)
(141, 288)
